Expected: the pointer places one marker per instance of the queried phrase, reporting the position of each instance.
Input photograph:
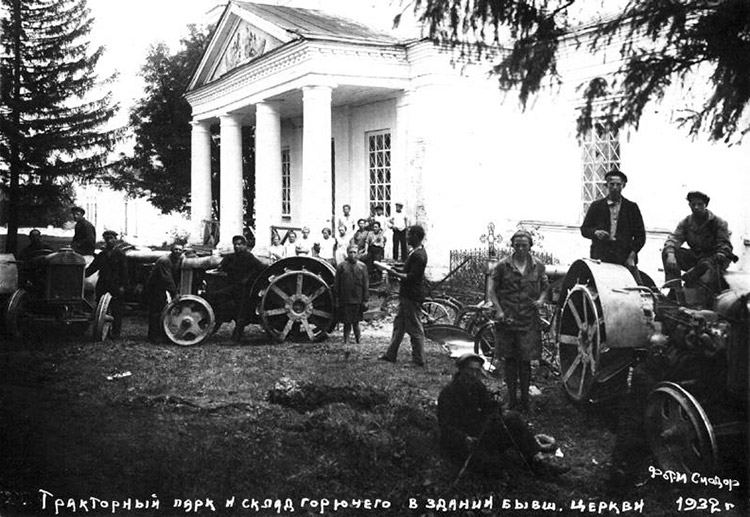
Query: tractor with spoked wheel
(694, 350)
(292, 299)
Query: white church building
(347, 114)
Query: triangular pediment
(246, 31)
(245, 43)
(240, 37)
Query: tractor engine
(706, 345)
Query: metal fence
(467, 283)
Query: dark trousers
(117, 309)
(504, 433)
(156, 302)
(408, 320)
(374, 253)
(399, 244)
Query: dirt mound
(306, 397)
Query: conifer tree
(661, 43)
(53, 129)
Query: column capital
(267, 106)
(230, 119)
(200, 125)
(313, 89)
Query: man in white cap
(398, 223)
(476, 433)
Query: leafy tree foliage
(159, 167)
(661, 43)
(52, 130)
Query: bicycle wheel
(448, 303)
(484, 341)
(434, 313)
(465, 317)
(550, 357)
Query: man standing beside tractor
(113, 278)
(162, 281)
(615, 225)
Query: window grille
(601, 153)
(379, 166)
(286, 182)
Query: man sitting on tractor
(231, 301)
(709, 252)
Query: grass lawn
(127, 419)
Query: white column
(316, 193)
(267, 170)
(200, 179)
(230, 208)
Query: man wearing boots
(411, 295)
(518, 288)
(475, 433)
(351, 289)
(242, 268)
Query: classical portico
(301, 78)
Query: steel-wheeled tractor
(51, 289)
(291, 299)
(607, 322)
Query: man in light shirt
(615, 225)
(398, 222)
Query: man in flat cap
(707, 237)
(615, 225)
(475, 432)
(162, 281)
(84, 235)
(113, 278)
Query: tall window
(379, 166)
(601, 153)
(286, 182)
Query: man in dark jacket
(614, 225)
(162, 280)
(84, 235)
(113, 278)
(475, 432)
(241, 268)
(351, 289)
(36, 246)
(408, 320)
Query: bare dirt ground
(128, 422)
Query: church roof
(246, 31)
(310, 23)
